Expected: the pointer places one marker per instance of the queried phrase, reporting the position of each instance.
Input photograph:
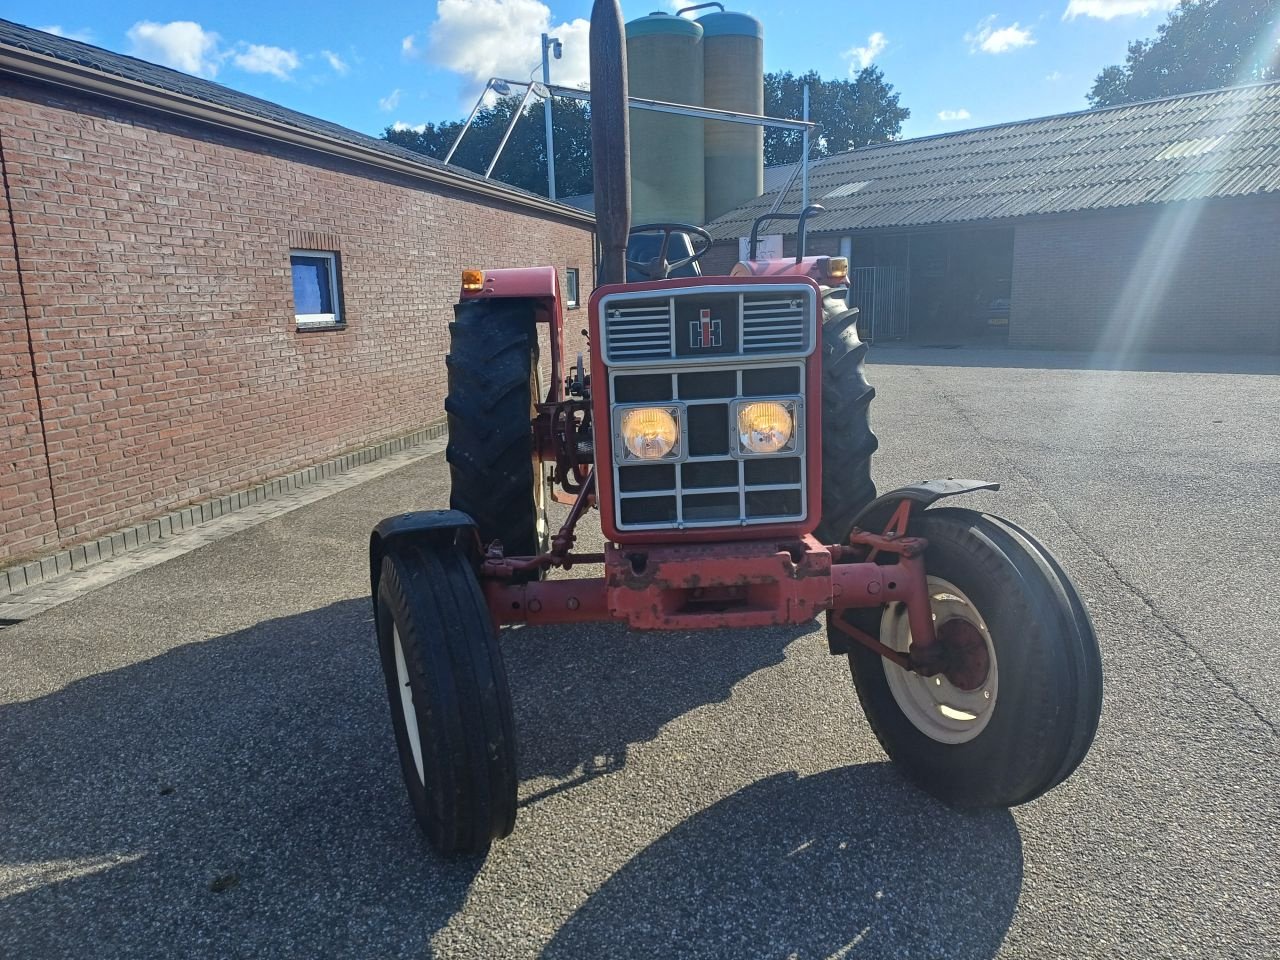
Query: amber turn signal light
(472, 280)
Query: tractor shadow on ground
(241, 795)
(849, 862)
(233, 797)
(584, 693)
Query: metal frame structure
(546, 91)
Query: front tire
(450, 706)
(1015, 724)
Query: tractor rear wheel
(450, 706)
(847, 440)
(496, 476)
(1017, 708)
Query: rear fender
(533, 282)
(876, 515)
(435, 528)
(541, 286)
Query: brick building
(1150, 226)
(200, 290)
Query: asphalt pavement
(197, 760)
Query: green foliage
(1205, 44)
(853, 113)
(524, 161)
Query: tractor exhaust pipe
(610, 139)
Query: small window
(316, 299)
(571, 287)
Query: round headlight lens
(764, 427)
(650, 433)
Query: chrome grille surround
(774, 321)
(710, 483)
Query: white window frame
(577, 284)
(310, 320)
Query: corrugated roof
(108, 64)
(1220, 143)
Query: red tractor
(721, 431)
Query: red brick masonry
(148, 312)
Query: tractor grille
(712, 326)
(638, 331)
(712, 484)
(698, 353)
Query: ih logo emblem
(705, 332)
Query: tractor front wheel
(450, 706)
(1016, 709)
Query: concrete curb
(32, 572)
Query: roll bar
(800, 217)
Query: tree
(524, 160)
(853, 113)
(1205, 44)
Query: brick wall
(155, 259)
(1187, 276)
(26, 509)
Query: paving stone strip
(50, 581)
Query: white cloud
(961, 114)
(485, 38)
(408, 46)
(1110, 9)
(84, 34)
(258, 58)
(401, 126)
(390, 101)
(863, 56)
(181, 44)
(989, 38)
(1053, 77)
(339, 65)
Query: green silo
(664, 62)
(733, 70)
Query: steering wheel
(658, 268)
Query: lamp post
(554, 46)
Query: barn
(1149, 226)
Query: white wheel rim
(540, 470)
(936, 707)
(406, 704)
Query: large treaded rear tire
(492, 362)
(847, 440)
(450, 705)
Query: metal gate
(880, 294)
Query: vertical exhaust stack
(610, 139)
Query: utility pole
(549, 44)
(804, 154)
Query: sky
(956, 63)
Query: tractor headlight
(651, 433)
(766, 426)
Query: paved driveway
(197, 761)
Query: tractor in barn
(721, 431)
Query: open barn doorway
(961, 285)
(933, 286)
